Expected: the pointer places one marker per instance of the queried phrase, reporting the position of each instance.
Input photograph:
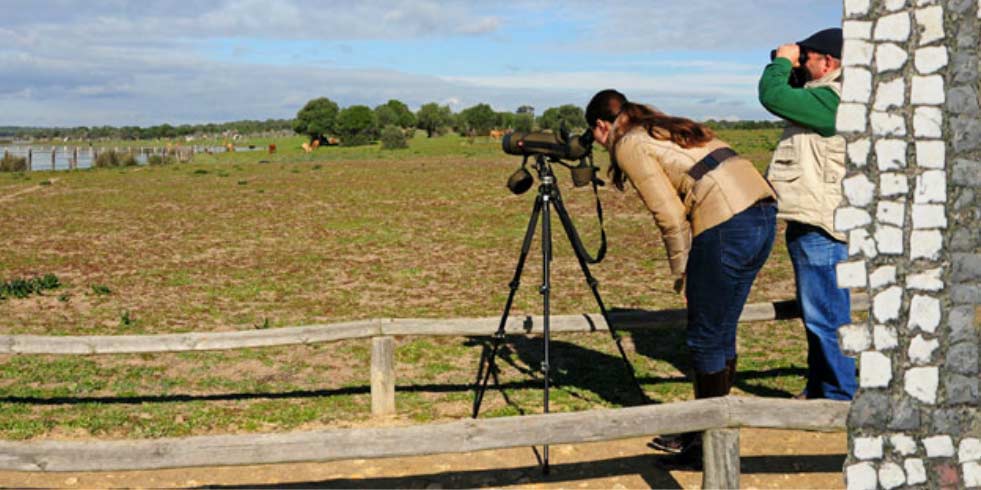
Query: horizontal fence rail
(453, 437)
(133, 344)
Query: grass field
(229, 243)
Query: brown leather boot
(731, 370)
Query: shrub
(22, 288)
(393, 138)
(159, 160)
(112, 159)
(10, 163)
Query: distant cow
(272, 148)
(315, 144)
(306, 147)
(496, 134)
(229, 147)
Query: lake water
(60, 157)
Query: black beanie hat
(827, 42)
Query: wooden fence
(720, 418)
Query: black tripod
(548, 197)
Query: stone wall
(910, 112)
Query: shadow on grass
(572, 366)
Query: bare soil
(770, 459)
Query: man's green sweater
(813, 108)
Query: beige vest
(807, 169)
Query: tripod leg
(570, 232)
(488, 358)
(546, 295)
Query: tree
(317, 118)
(524, 122)
(569, 117)
(432, 117)
(480, 119)
(386, 116)
(357, 125)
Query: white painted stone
(856, 85)
(893, 27)
(885, 305)
(889, 57)
(891, 475)
(938, 446)
(929, 216)
(892, 184)
(858, 151)
(861, 476)
(921, 350)
(931, 154)
(894, 5)
(928, 90)
(856, 53)
(929, 60)
(891, 212)
(890, 153)
(915, 471)
(931, 22)
(859, 241)
(925, 244)
(885, 124)
(851, 274)
(875, 372)
(972, 472)
(924, 313)
(969, 450)
(890, 94)
(856, 29)
(889, 240)
(884, 338)
(928, 122)
(931, 186)
(859, 190)
(903, 444)
(921, 3)
(921, 383)
(850, 218)
(854, 338)
(856, 7)
(929, 280)
(850, 118)
(868, 447)
(883, 276)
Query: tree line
(322, 118)
(161, 131)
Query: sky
(119, 62)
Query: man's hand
(791, 52)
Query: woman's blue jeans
(824, 307)
(723, 262)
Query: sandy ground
(770, 459)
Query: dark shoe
(689, 460)
(674, 443)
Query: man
(806, 171)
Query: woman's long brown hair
(679, 130)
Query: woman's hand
(679, 285)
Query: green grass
(231, 243)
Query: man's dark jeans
(722, 265)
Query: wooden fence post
(382, 376)
(30, 158)
(720, 466)
(53, 150)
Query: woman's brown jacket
(684, 206)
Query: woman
(717, 216)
